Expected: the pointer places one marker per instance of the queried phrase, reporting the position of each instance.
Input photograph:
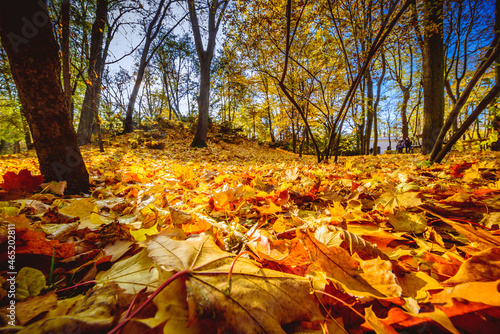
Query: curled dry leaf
(338, 265)
(256, 301)
(482, 267)
(96, 313)
(337, 236)
(29, 282)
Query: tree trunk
(90, 105)
(65, 14)
(404, 108)
(205, 57)
(152, 32)
(369, 109)
(375, 108)
(433, 73)
(495, 146)
(269, 115)
(200, 137)
(28, 39)
(494, 91)
(26, 130)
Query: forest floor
(240, 238)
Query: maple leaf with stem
(234, 292)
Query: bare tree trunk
(492, 54)
(65, 13)
(433, 73)
(205, 57)
(404, 115)
(269, 115)
(152, 32)
(495, 146)
(90, 107)
(200, 137)
(472, 117)
(375, 108)
(369, 109)
(28, 39)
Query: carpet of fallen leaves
(240, 238)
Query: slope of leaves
(242, 238)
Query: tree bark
(433, 73)
(375, 107)
(495, 146)
(28, 39)
(205, 57)
(152, 32)
(90, 105)
(65, 14)
(494, 91)
(200, 137)
(491, 55)
(369, 111)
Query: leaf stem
(77, 285)
(129, 310)
(340, 300)
(117, 328)
(469, 222)
(228, 289)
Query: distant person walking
(408, 144)
(399, 146)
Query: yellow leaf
(272, 209)
(29, 282)
(376, 324)
(440, 317)
(79, 208)
(480, 292)
(140, 234)
(408, 222)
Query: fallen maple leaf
(132, 274)
(394, 200)
(249, 300)
(22, 180)
(338, 266)
(408, 222)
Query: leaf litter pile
(239, 238)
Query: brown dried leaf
(482, 267)
(338, 265)
(97, 312)
(337, 236)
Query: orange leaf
(33, 242)
(272, 209)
